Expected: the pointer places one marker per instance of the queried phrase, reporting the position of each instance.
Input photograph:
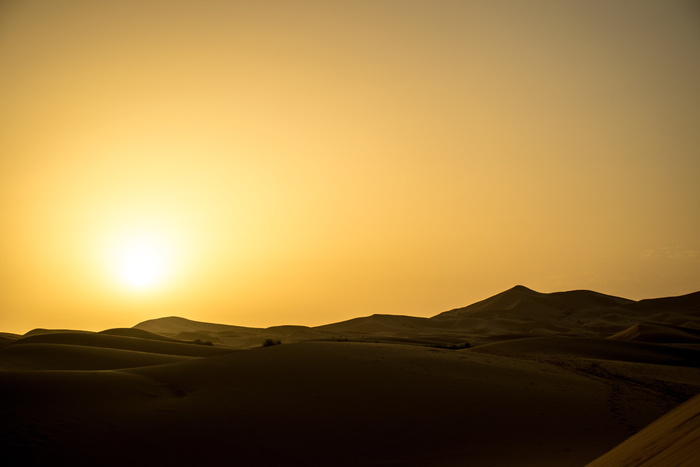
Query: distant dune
(659, 333)
(519, 379)
(517, 312)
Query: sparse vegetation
(461, 345)
(203, 342)
(270, 342)
(457, 346)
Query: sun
(142, 261)
(141, 265)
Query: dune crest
(671, 440)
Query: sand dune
(541, 385)
(682, 303)
(661, 333)
(77, 357)
(327, 403)
(603, 349)
(139, 333)
(672, 440)
(521, 301)
(575, 313)
(121, 342)
(176, 325)
(7, 338)
(516, 312)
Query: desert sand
(519, 379)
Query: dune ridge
(660, 333)
(671, 440)
(517, 312)
(138, 344)
(560, 379)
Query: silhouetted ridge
(689, 303)
(506, 300)
(40, 331)
(522, 300)
(589, 298)
(515, 313)
(521, 289)
(175, 324)
(7, 338)
(373, 323)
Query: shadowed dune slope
(521, 301)
(660, 333)
(77, 357)
(120, 343)
(602, 349)
(174, 325)
(141, 334)
(672, 440)
(577, 313)
(381, 323)
(185, 329)
(682, 303)
(7, 338)
(517, 312)
(42, 331)
(550, 380)
(376, 328)
(320, 404)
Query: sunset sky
(304, 162)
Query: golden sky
(304, 162)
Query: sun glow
(143, 261)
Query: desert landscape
(519, 379)
(288, 233)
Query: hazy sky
(304, 162)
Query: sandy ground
(672, 440)
(547, 381)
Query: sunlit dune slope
(672, 440)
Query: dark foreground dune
(520, 379)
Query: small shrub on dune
(203, 342)
(462, 345)
(458, 346)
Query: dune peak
(522, 289)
